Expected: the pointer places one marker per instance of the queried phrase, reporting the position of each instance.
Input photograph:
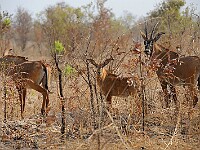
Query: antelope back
(185, 71)
(33, 70)
(13, 59)
(8, 61)
(165, 56)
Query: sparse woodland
(65, 39)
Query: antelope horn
(106, 61)
(92, 62)
(152, 33)
(145, 29)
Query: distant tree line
(72, 26)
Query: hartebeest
(112, 85)
(26, 74)
(172, 70)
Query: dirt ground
(162, 129)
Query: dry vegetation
(88, 125)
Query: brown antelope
(10, 59)
(112, 85)
(26, 74)
(172, 69)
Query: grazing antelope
(26, 74)
(112, 85)
(10, 59)
(172, 69)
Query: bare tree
(22, 25)
(38, 35)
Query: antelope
(11, 59)
(172, 69)
(112, 85)
(26, 74)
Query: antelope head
(100, 74)
(149, 42)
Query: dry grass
(118, 132)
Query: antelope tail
(198, 83)
(45, 78)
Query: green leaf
(69, 70)
(59, 48)
(7, 21)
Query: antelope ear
(143, 35)
(158, 36)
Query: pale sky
(136, 7)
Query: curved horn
(145, 29)
(106, 61)
(153, 30)
(158, 36)
(93, 62)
